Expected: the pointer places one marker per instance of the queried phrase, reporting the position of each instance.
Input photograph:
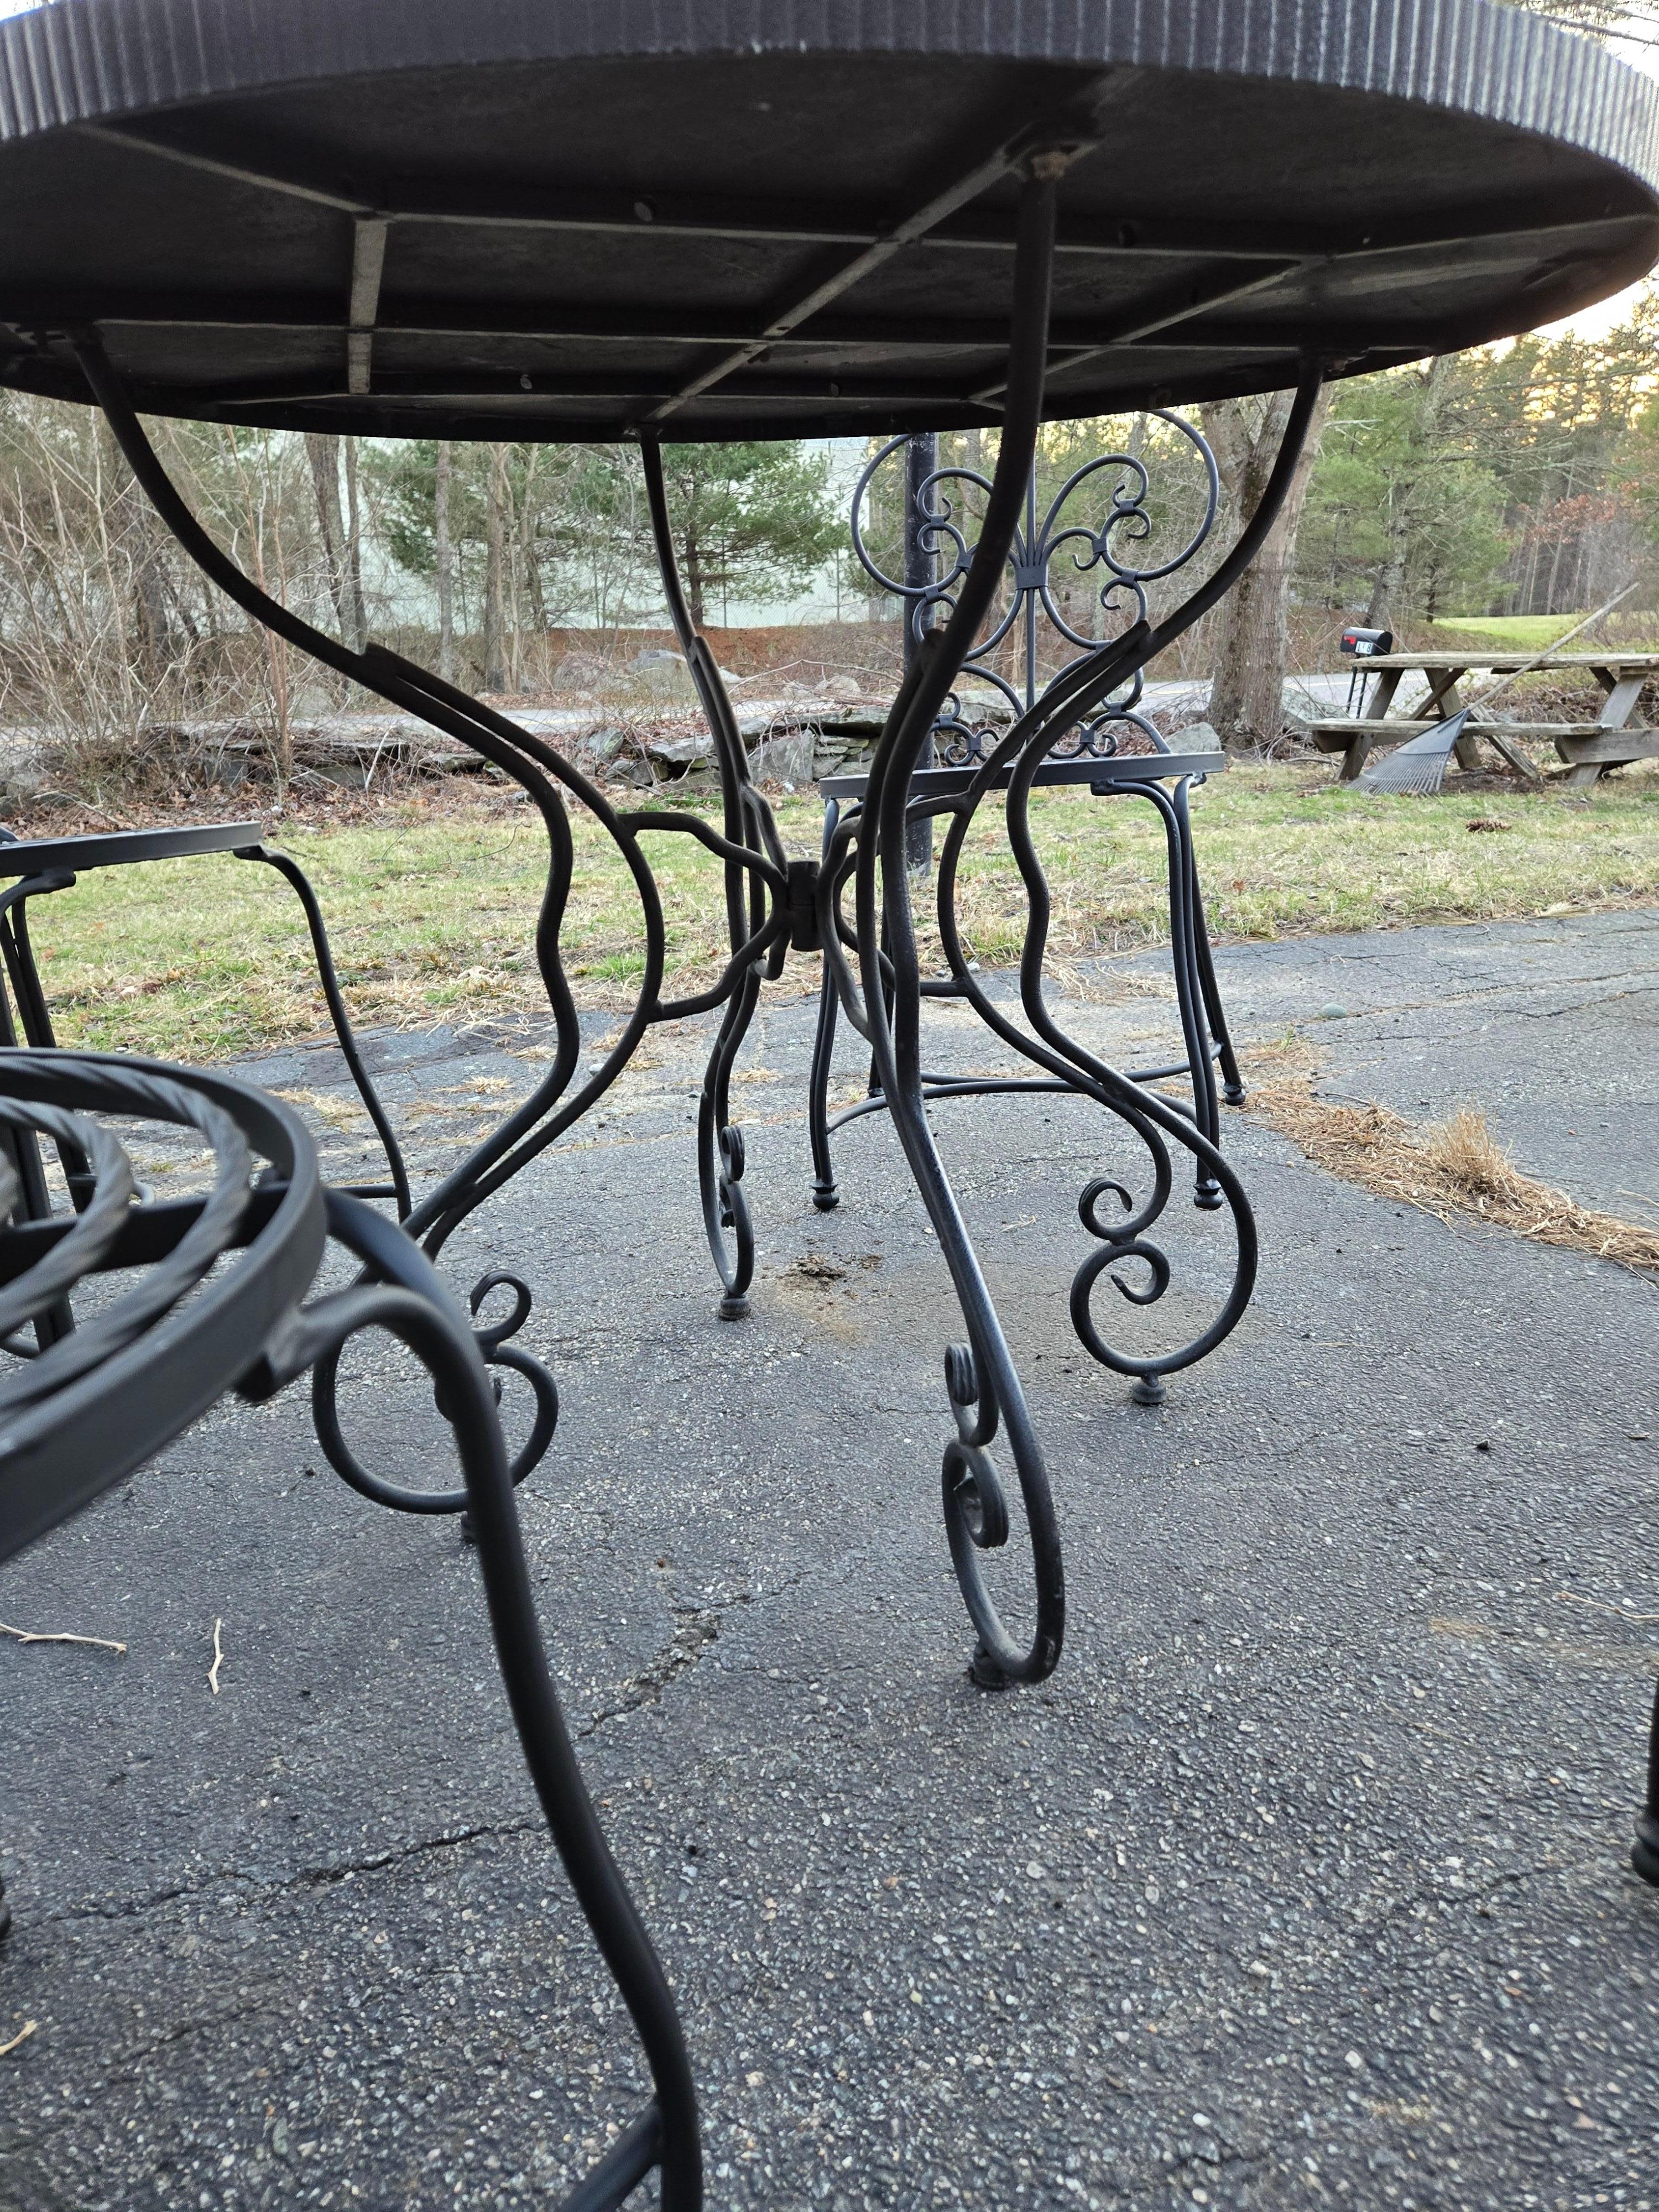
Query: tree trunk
(1247, 693)
(353, 560)
(495, 621)
(1388, 602)
(444, 550)
(151, 617)
(529, 567)
(693, 577)
(323, 452)
(1388, 592)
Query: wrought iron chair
(965, 736)
(214, 1299)
(35, 867)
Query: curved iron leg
(720, 1158)
(667, 2133)
(1231, 1079)
(1644, 1852)
(23, 1146)
(1190, 990)
(981, 1381)
(825, 1196)
(720, 1144)
(294, 876)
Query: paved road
(1302, 1882)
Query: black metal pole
(920, 460)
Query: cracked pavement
(1303, 1881)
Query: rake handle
(1554, 646)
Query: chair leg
(35, 1016)
(1233, 1081)
(1644, 1852)
(825, 1196)
(1207, 1194)
(21, 1146)
(720, 1158)
(294, 876)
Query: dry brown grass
(1449, 1169)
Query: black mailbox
(1366, 644)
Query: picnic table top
(1509, 663)
(785, 222)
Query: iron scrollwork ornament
(1067, 718)
(1100, 552)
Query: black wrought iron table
(541, 220)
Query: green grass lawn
(1537, 633)
(432, 912)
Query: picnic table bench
(1587, 748)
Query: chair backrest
(1037, 628)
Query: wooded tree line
(471, 554)
(1520, 479)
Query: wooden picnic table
(1587, 748)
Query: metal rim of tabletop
(211, 1300)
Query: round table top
(734, 218)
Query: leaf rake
(1420, 765)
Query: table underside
(712, 244)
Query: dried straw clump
(1451, 1168)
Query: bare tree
(354, 561)
(444, 548)
(1404, 488)
(495, 621)
(1247, 693)
(341, 532)
(323, 452)
(256, 495)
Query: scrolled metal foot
(492, 1340)
(725, 1209)
(498, 1351)
(977, 1520)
